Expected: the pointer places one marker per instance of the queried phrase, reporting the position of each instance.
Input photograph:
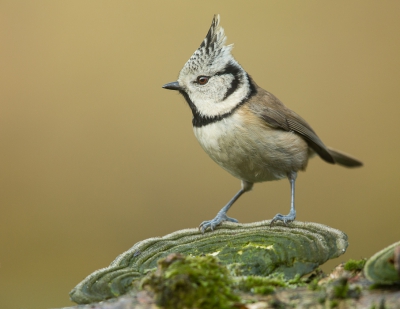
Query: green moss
(266, 285)
(296, 281)
(322, 299)
(263, 290)
(314, 286)
(354, 265)
(259, 285)
(277, 304)
(191, 282)
(341, 288)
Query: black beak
(172, 86)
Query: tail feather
(344, 159)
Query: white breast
(252, 151)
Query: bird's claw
(211, 224)
(285, 219)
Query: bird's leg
(221, 215)
(292, 214)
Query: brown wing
(275, 114)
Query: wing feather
(277, 115)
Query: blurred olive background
(96, 156)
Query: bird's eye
(202, 80)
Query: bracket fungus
(246, 249)
(384, 266)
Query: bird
(245, 129)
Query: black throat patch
(200, 120)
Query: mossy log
(249, 266)
(246, 249)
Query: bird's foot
(211, 224)
(285, 219)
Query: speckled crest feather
(212, 48)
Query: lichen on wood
(254, 249)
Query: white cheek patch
(212, 103)
(213, 91)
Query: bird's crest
(215, 38)
(211, 49)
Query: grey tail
(344, 159)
